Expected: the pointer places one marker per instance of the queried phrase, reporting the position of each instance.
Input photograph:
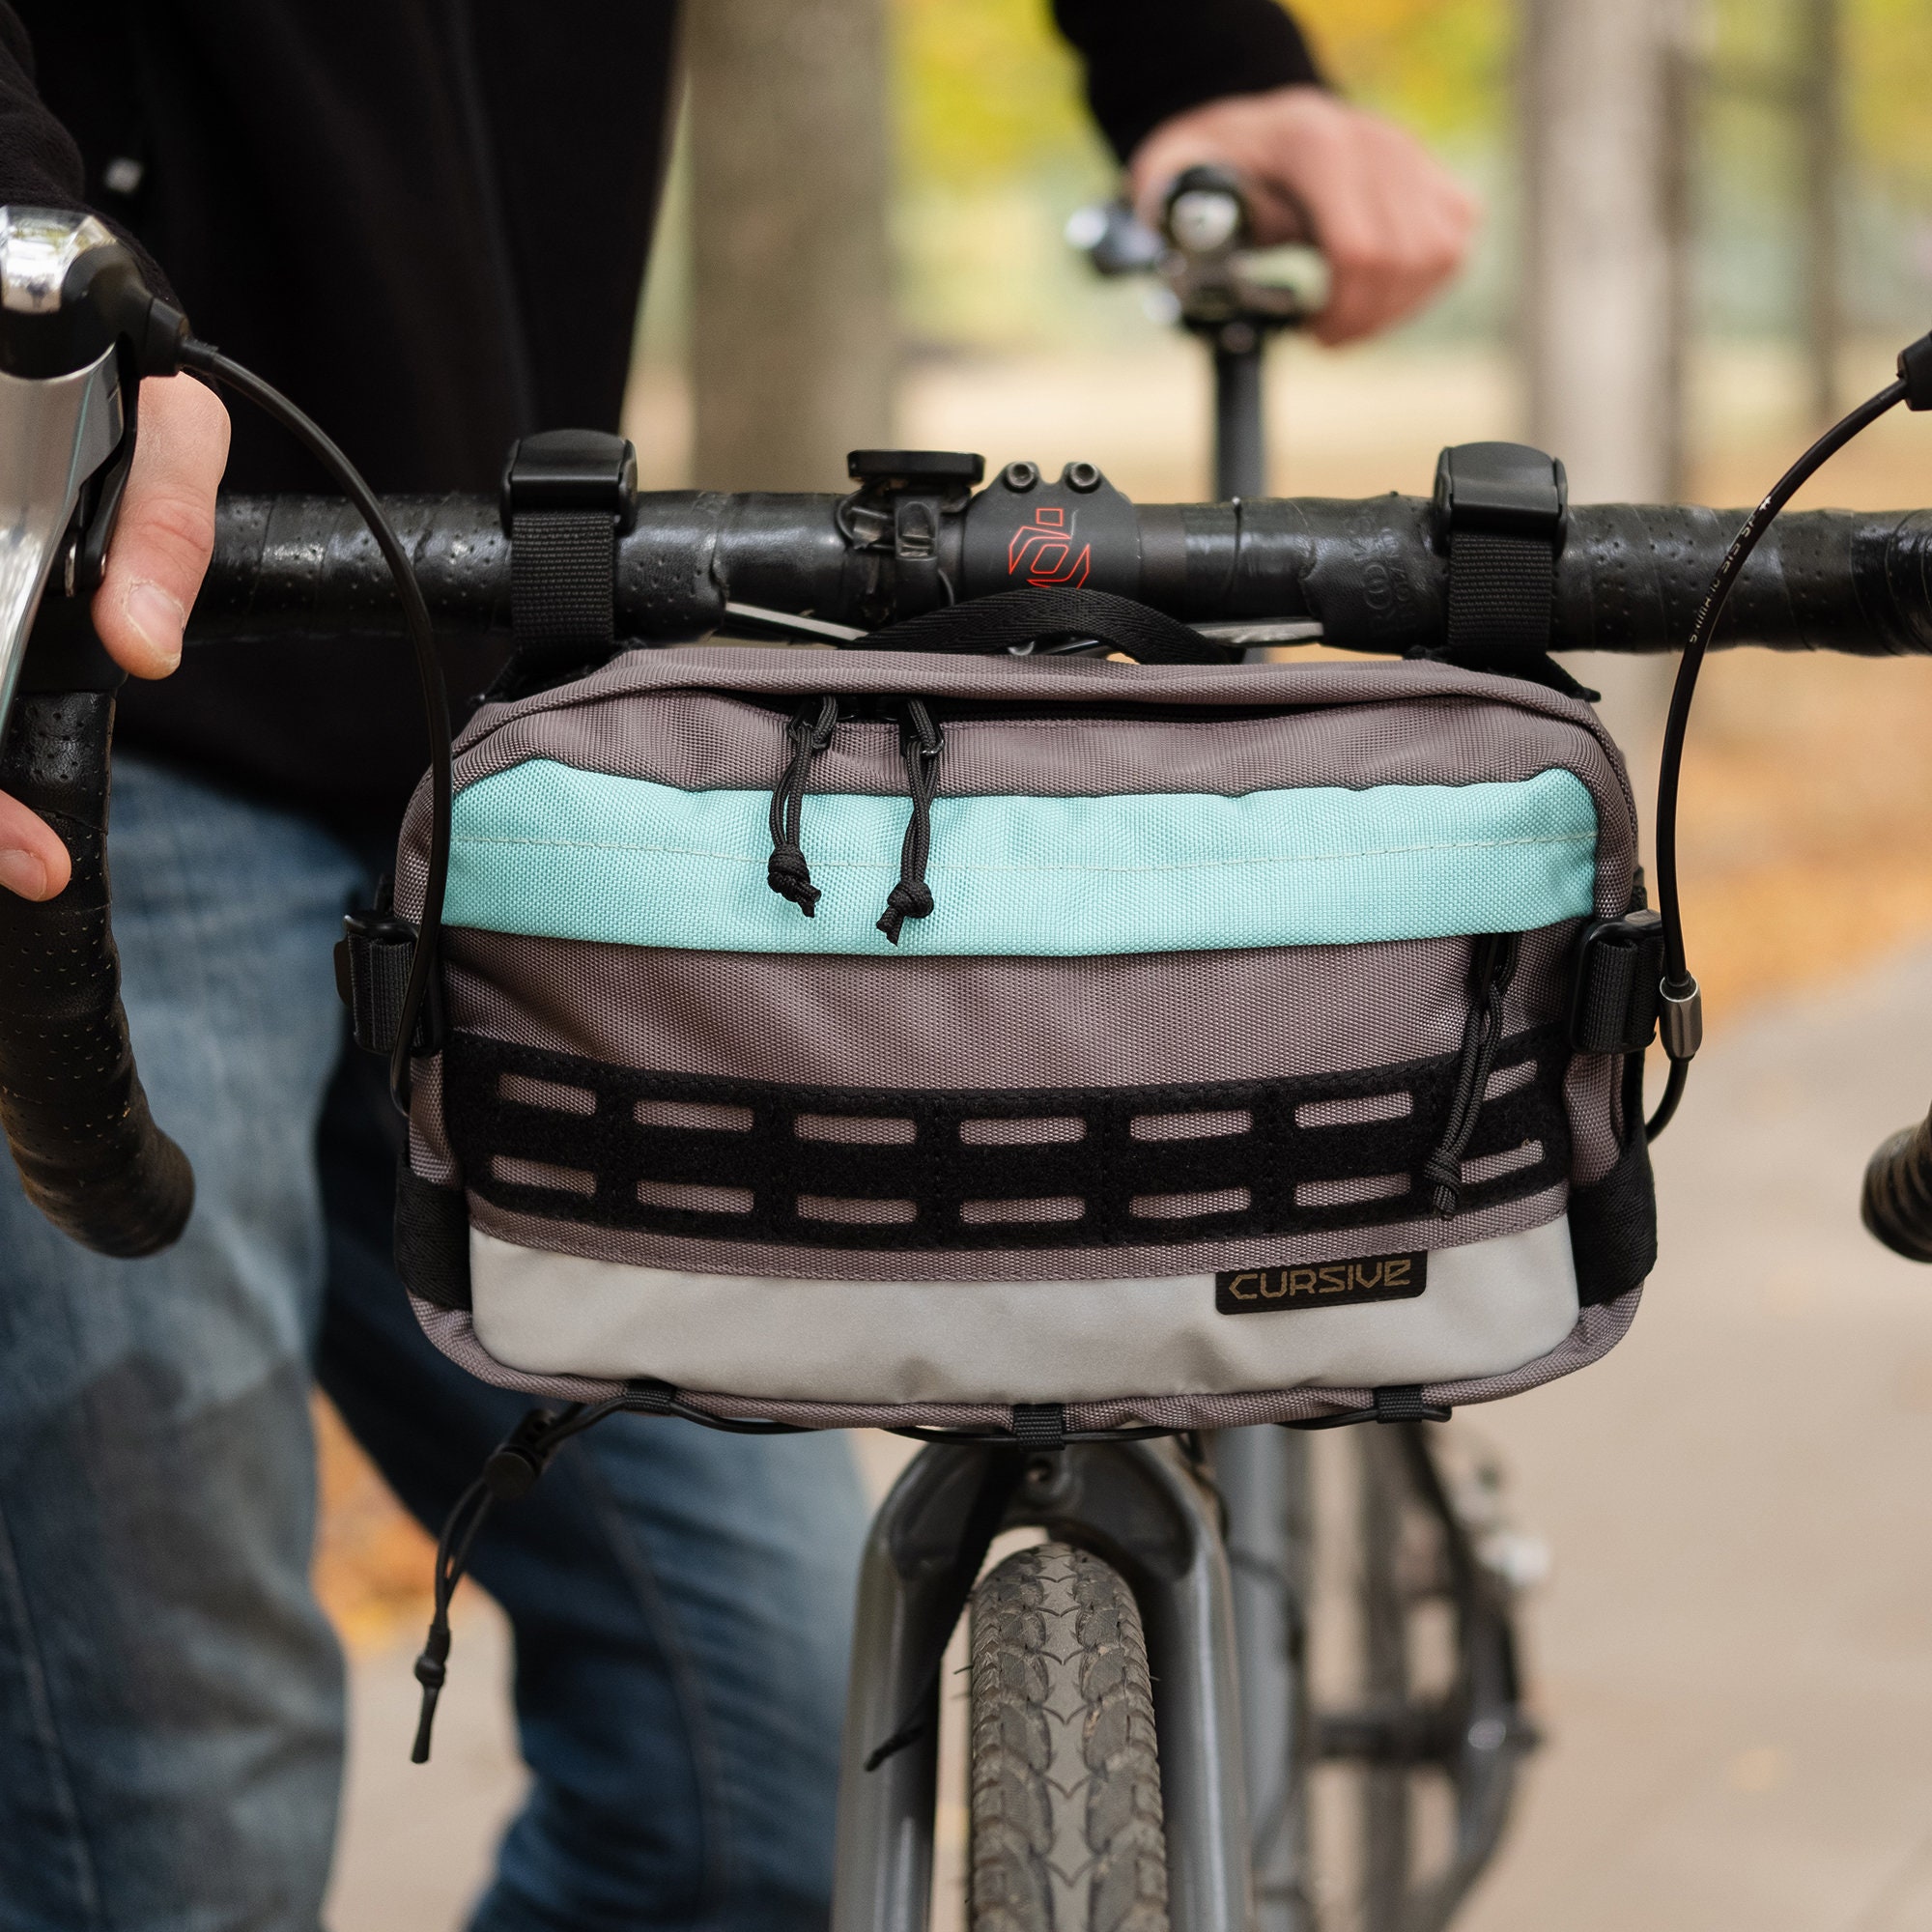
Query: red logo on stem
(1042, 551)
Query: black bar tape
(1630, 577)
(70, 1101)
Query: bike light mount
(901, 526)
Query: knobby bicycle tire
(1066, 1832)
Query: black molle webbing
(939, 1183)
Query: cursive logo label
(1042, 551)
(1321, 1284)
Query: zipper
(921, 745)
(806, 736)
(1492, 963)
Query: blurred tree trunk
(792, 332)
(1606, 113)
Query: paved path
(1734, 1652)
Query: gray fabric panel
(430, 1152)
(1131, 1020)
(1489, 1308)
(656, 715)
(639, 1248)
(1597, 1330)
(700, 743)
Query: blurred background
(1709, 229)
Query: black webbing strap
(1500, 510)
(567, 497)
(1013, 620)
(563, 569)
(1501, 591)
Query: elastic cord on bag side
(1492, 963)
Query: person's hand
(155, 566)
(1394, 225)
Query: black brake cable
(205, 357)
(1680, 1002)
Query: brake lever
(58, 436)
(79, 328)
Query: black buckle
(1613, 997)
(569, 469)
(373, 960)
(1504, 487)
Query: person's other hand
(155, 566)
(1394, 225)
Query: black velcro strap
(1501, 593)
(1040, 1425)
(1014, 620)
(1500, 511)
(563, 574)
(1401, 1405)
(566, 497)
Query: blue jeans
(170, 1705)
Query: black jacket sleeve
(1148, 59)
(40, 161)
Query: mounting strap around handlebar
(567, 497)
(1501, 511)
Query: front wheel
(1067, 1833)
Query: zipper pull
(1493, 962)
(922, 744)
(786, 873)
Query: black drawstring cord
(452, 1556)
(511, 1471)
(920, 744)
(1493, 960)
(786, 873)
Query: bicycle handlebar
(1630, 577)
(90, 1153)
(1370, 573)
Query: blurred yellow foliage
(987, 92)
(1888, 85)
(1440, 67)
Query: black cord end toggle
(431, 1673)
(1680, 1013)
(1915, 371)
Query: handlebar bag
(1220, 1073)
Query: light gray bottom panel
(1490, 1308)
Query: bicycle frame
(1224, 1642)
(1138, 1505)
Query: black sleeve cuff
(1150, 59)
(40, 165)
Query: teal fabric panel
(549, 851)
